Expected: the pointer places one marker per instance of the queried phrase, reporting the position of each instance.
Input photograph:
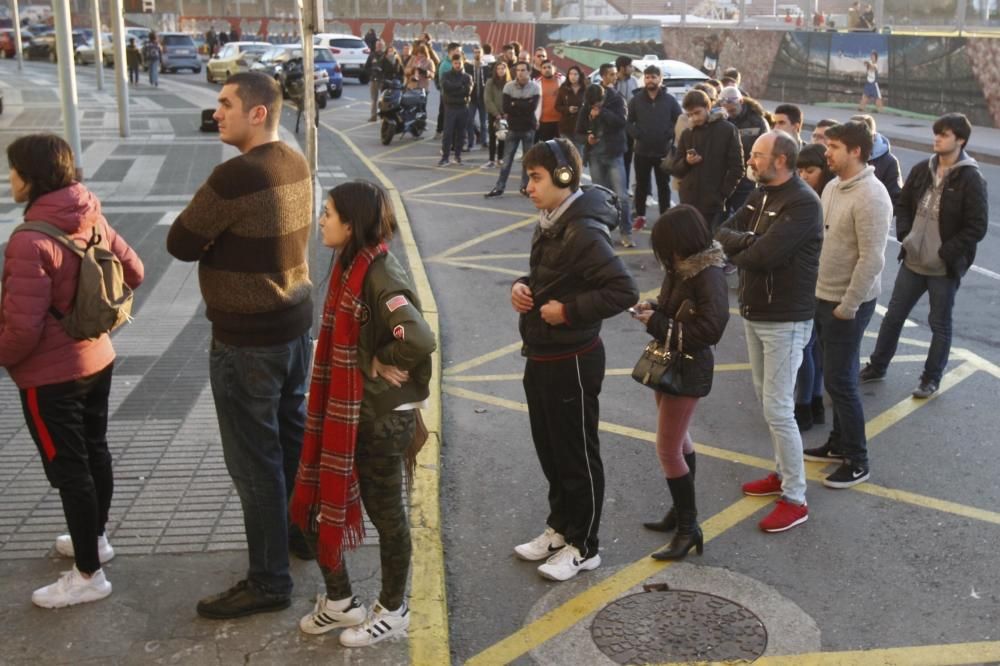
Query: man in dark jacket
(456, 90)
(575, 282)
(775, 240)
(941, 214)
(886, 164)
(747, 117)
(373, 69)
(708, 160)
(604, 127)
(652, 115)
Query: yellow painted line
(524, 222)
(602, 593)
(481, 360)
(361, 126)
(391, 151)
(926, 502)
(904, 408)
(442, 181)
(479, 209)
(480, 267)
(917, 655)
(428, 632)
(978, 361)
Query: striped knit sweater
(248, 227)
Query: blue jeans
(527, 140)
(809, 384)
(609, 172)
(476, 106)
(775, 351)
(455, 118)
(154, 72)
(907, 291)
(841, 340)
(260, 403)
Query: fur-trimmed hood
(696, 263)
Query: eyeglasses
(730, 100)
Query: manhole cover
(677, 625)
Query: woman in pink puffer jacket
(64, 382)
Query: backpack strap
(58, 234)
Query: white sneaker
(379, 625)
(105, 553)
(567, 563)
(324, 617)
(542, 547)
(72, 588)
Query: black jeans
(69, 423)
(643, 165)
(547, 131)
(455, 120)
(564, 411)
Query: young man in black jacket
(652, 115)
(941, 215)
(575, 282)
(456, 91)
(775, 240)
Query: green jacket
(493, 96)
(394, 330)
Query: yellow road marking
(479, 209)
(594, 598)
(481, 360)
(361, 126)
(917, 655)
(384, 153)
(904, 408)
(447, 254)
(442, 181)
(428, 633)
(480, 267)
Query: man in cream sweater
(857, 212)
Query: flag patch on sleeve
(399, 332)
(396, 302)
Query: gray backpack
(103, 301)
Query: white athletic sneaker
(72, 588)
(324, 617)
(105, 553)
(567, 563)
(380, 625)
(542, 547)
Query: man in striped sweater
(248, 228)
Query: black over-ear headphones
(563, 174)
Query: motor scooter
(402, 110)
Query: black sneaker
(495, 192)
(847, 475)
(241, 600)
(825, 453)
(870, 373)
(927, 388)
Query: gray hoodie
(924, 240)
(856, 217)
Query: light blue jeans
(775, 350)
(609, 172)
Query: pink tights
(672, 437)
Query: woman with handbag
(370, 378)
(687, 319)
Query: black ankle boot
(688, 533)
(669, 521)
(818, 411)
(804, 417)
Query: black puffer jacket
(750, 123)
(456, 88)
(574, 263)
(963, 216)
(700, 281)
(775, 239)
(709, 183)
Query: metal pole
(961, 7)
(67, 79)
(743, 12)
(98, 45)
(307, 11)
(17, 36)
(684, 15)
(121, 80)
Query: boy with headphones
(575, 282)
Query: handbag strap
(680, 338)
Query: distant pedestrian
(211, 41)
(575, 282)
(63, 382)
(493, 99)
(748, 117)
(857, 213)
(371, 38)
(254, 278)
(479, 70)
(941, 215)
(871, 92)
(626, 86)
(520, 104)
(548, 120)
(151, 54)
(819, 133)
(568, 103)
(373, 70)
(456, 92)
(652, 116)
(133, 60)
(370, 378)
(223, 38)
(788, 119)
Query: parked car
(350, 51)
(270, 61)
(229, 60)
(8, 45)
(679, 77)
(179, 52)
(43, 46)
(86, 54)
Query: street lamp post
(98, 45)
(67, 78)
(121, 81)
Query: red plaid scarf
(326, 487)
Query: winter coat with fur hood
(39, 273)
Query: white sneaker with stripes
(567, 563)
(542, 547)
(380, 625)
(64, 546)
(324, 617)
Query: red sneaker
(769, 485)
(639, 222)
(784, 516)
